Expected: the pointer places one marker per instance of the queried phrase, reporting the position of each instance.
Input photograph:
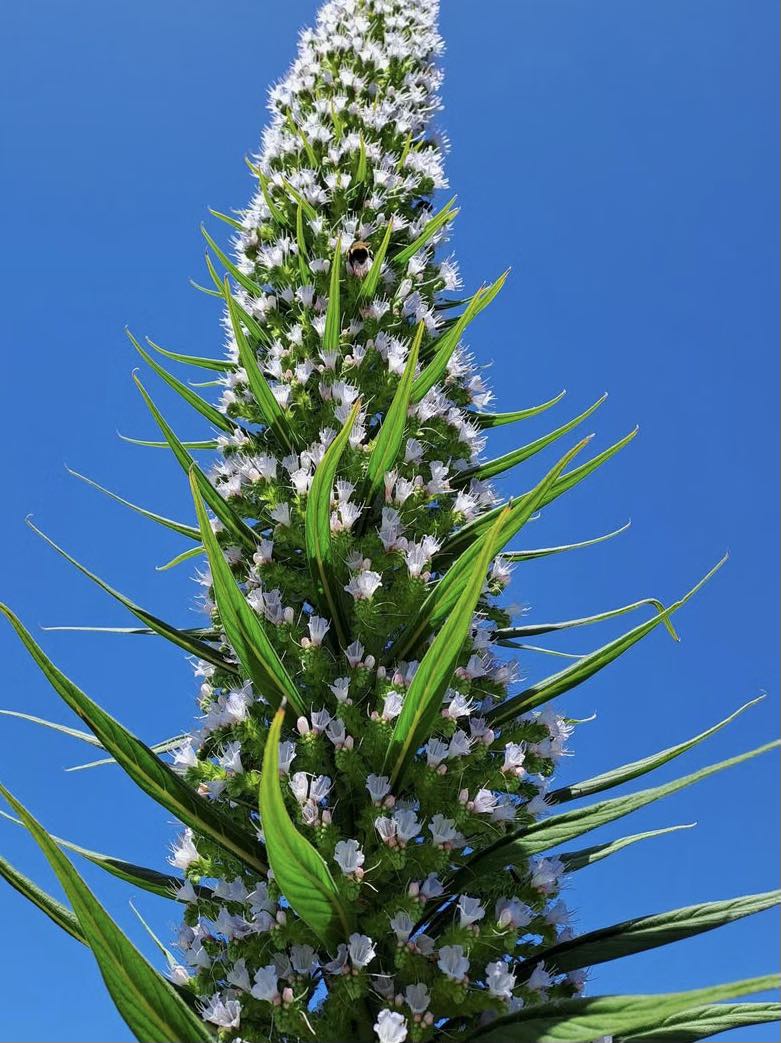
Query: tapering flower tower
(369, 820)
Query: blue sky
(622, 158)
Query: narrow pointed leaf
(243, 280)
(303, 264)
(177, 637)
(544, 552)
(265, 188)
(439, 220)
(74, 733)
(448, 342)
(500, 419)
(333, 316)
(387, 444)
(559, 829)
(535, 629)
(423, 701)
(572, 1021)
(550, 687)
(179, 527)
(242, 626)
(646, 932)
(145, 769)
(317, 527)
(222, 365)
(158, 747)
(147, 1002)
(56, 911)
(305, 205)
(443, 597)
(271, 411)
(231, 221)
(299, 869)
(491, 468)
(588, 856)
(372, 279)
(633, 770)
(186, 555)
(207, 444)
(232, 522)
(206, 409)
(169, 956)
(707, 1021)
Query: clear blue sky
(621, 157)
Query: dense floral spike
(363, 857)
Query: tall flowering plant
(373, 847)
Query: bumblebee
(359, 259)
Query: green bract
(373, 848)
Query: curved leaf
(179, 527)
(371, 281)
(145, 769)
(507, 635)
(550, 687)
(500, 419)
(544, 552)
(491, 468)
(423, 701)
(180, 638)
(627, 772)
(74, 733)
(222, 365)
(572, 1021)
(439, 220)
(243, 280)
(317, 526)
(243, 628)
(56, 911)
(704, 1022)
(646, 932)
(206, 409)
(208, 444)
(332, 333)
(299, 869)
(574, 860)
(147, 1002)
(387, 444)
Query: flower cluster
(346, 176)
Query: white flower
(499, 980)
(436, 752)
(239, 976)
(340, 688)
(318, 628)
(266, 984)
(452, 962)
(512, 912)
(418, 998)
(431, 887)
(546, 874)
(470, 910)
(378, 787)
(392, 706)
(363, 585)
(460, 744)
(184, 852)
(287, 753)
(361, 949)
(386, 827)
(390, 1027)
(484, 802)
(354, 654)
(443, 831)
(402, 925)
(348, 856)
(230, 759)
(540, 979)
(303, 959)
(514, 753)
(224, 1013)
(407, 825)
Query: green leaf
(633, 770)
(179, 527)
(177, 637)
(439, 220)
(242, 626)
(214, 416)
(333, 316)
(506, 635)
(361, 169)
(443, 597)
(423, 701)
(646, 932)
(145, 769)
(158, 747)
(208, 444)
(484, 420)
(491, 468)
(516, 848)
(448, 342)
(74, 733)
(574, 860)
(569, 1021)
(468, 533)
(186, 555)
(231, 221)
(704, 1022)
(577, 673)
(305, 205)
(370, 283)
(303, 264)
(317, 527)
(56, 911)
(223, 365)
(221, 508)
(243, 280)
(544, 552)
(147, 1002)
(299, 869)
(165, 885)
(274, 210)
(387, 444)
(271, 411)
